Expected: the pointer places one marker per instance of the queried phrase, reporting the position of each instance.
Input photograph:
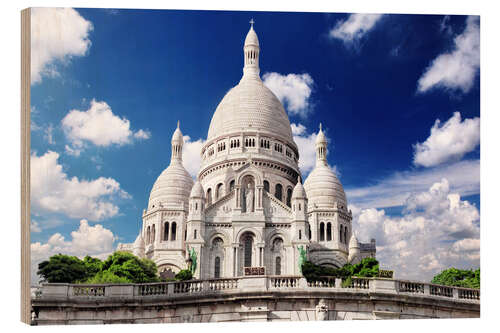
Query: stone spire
(177, 142)
(251, 52)
(321, 147)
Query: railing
(284, 281)
(357, 283)
(88, 290)
(411, 287)
(187, 287)
(223, 284)
(155, 289)
(259, 284)
(437, 290)
(464, 293)
(325, 282)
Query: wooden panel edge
(25, 165)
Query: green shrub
(368, 267)
(459, 278)
(184, 275)
(106, 277)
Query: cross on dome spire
(252, 22)
(251, 52)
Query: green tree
(134, 269)
(368, 267)
(92, 265)
(184, 275)
(61, 268)
(106, 277)
(459, 278)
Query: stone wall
(265, 298)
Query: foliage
(368, 267)
(459, 278)
(134, 269)
(183, 275)
(61, 268)
(120, 267)
(106, 277)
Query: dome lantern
(321, 147)
(251, 52)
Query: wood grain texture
(25, 165)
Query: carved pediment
(274, 208)
(222, 207)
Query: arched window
(328, 231)
(185, 234)
(278, 266)
(300, 234)
(341, 238)
(217, 268)
(209, 196)
(266, 186)
(289, 197)
(153, 234)
(148, 235)
(231, 185)
(278, 193)
(345, 235)
(165, 231)
(217, 242)
(218, 191)
(248, 244)
(195, 234)
(321, 232)
(174, 230)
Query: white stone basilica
(248, 207)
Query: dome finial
(320, 127)
(178, 123)
(251, 23)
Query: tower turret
(251, 51)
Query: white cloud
(451, 141)
(141, 134)
(395, 189)
(307, 148)
(53, 191)
(437, 230)
(57, 34)
(191, 155)
(355, 27)
(95, 241)
(35, 226)
(49, 134)
(293, 90)
(457, 69)
(100, 126)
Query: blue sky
(377, 83)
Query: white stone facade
(248, 207)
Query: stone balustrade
(255, 283)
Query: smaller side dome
(197, 191)
(298, 191)
(139, 242)
(353, 243)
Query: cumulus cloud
(451, 141)
(455, 70)
(354, 27)
(307, 147)
(90, 240)
(35, 226)
(437, 230)
(57, 35)
(100, 126)
(191, 155)
(53, 191)
(395, 189)
(293, 90)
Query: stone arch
(257, 234)
(333, 261)
(219, 233)
(277, 233)
(254, 173)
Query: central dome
(250, 106)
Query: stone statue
(302, 256)
(322, 310)
(249, 198)
(193, 257)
